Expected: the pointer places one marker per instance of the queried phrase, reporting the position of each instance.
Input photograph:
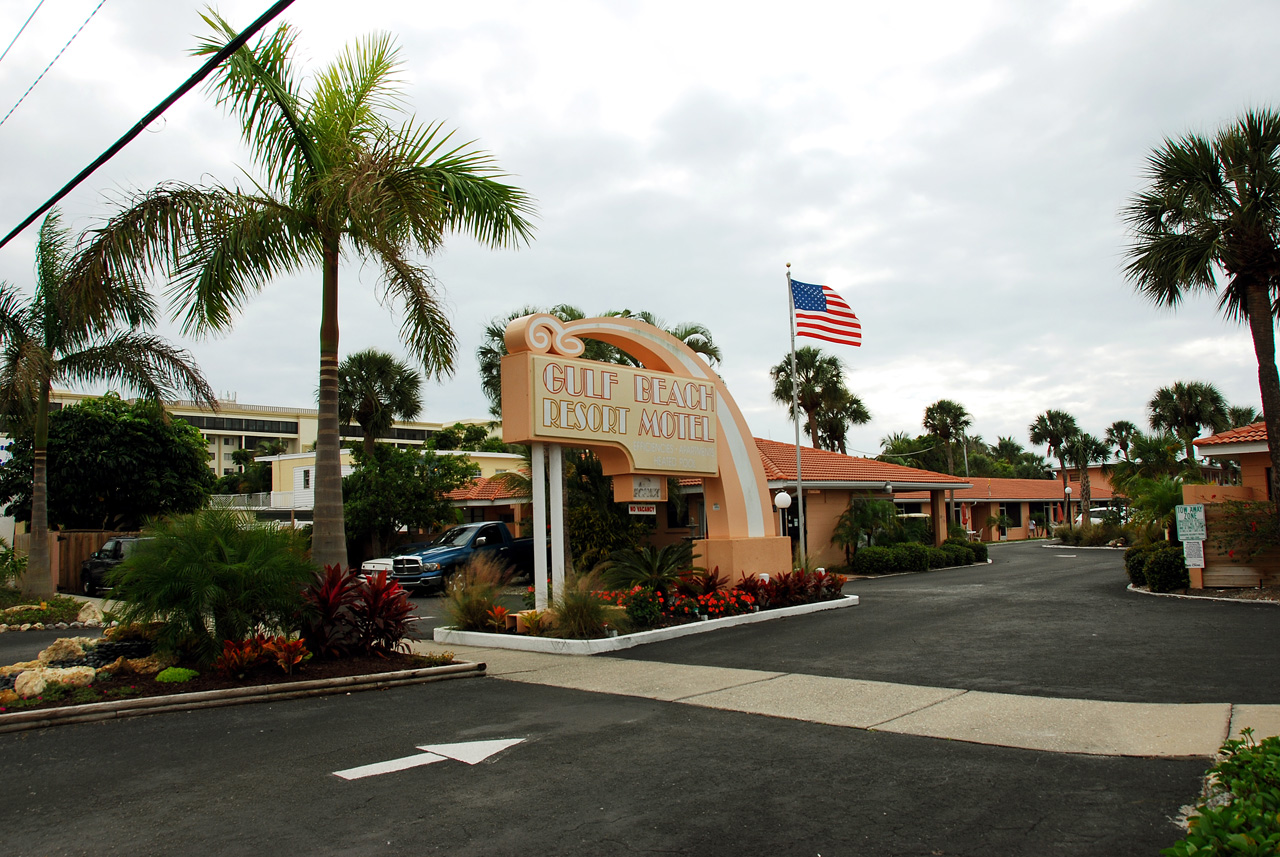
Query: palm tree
(1120, 434)
(1082, 450)
(1239, 416)
(56, 338)
(493, 347)
(375, 389)
(1151, 456)
(848, 410)
(947, 421)
(1209, 221)
(337, 178)
(1009, 450)
(861, 517)
(1184, 408)
(820, 385)
(692, 334)
(1053, 429)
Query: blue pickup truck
(431, 565)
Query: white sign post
(1191, 525)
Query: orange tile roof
(1255, 433)
(821, 465)
(489, 488)
(995, 488)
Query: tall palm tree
(820, 382)
(1053, 429)
(1082, 450)
(1209, 221)
(1120, 434)
(1186, 407)
(56, 338)
(337, 178)
(493, 347)
(375, 389)
(947, 422)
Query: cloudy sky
(955, 170)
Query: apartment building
(236, 426)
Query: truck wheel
(86, 585)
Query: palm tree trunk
(1262, 326)
(39, 578)
(328, 535)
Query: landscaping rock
(149, 665)
(89, 613)
(25, 626)
(21, 666)
(66, 649)
(8, 696)
(33, 682)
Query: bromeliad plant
(350, 613)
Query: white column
(556, 478)
(537, 460)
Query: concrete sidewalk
(1057, 725)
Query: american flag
(823, 314)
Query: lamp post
(783, 501)
(1067, 521)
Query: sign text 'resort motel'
(667, 423)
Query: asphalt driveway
(1041, 621)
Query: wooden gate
(68, 549)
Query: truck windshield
(457, 537)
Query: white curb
(551, 645)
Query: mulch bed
(1255, 593)
(131, 686)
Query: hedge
(1166, 570)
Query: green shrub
(1248, 823)
(12, 565)
(980, 552)
(910, 556)
(176, 675)
(874, 559)
(643, 607)
(1166, 570)
(959, 554)
(1134, 559)
(212, 576)
(938, 558)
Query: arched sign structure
(670, 416)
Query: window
(306, 479)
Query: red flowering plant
(1244, 529)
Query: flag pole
(795, 410)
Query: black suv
(94, 569)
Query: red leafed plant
(238, 657)
(286, 652)
(328, 626)
(498, 617)
(381, 613)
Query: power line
(52, 61)
(20, 29)
(205, 70)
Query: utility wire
(20, 29)
(205, 70)
(51, 62)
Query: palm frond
(140, 361)
(426, 328)
(260, 85)
(353, 92)
(245, 242)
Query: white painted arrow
(471, 752)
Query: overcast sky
(955, 170)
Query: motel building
(1028, 507)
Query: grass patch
(56, 608)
